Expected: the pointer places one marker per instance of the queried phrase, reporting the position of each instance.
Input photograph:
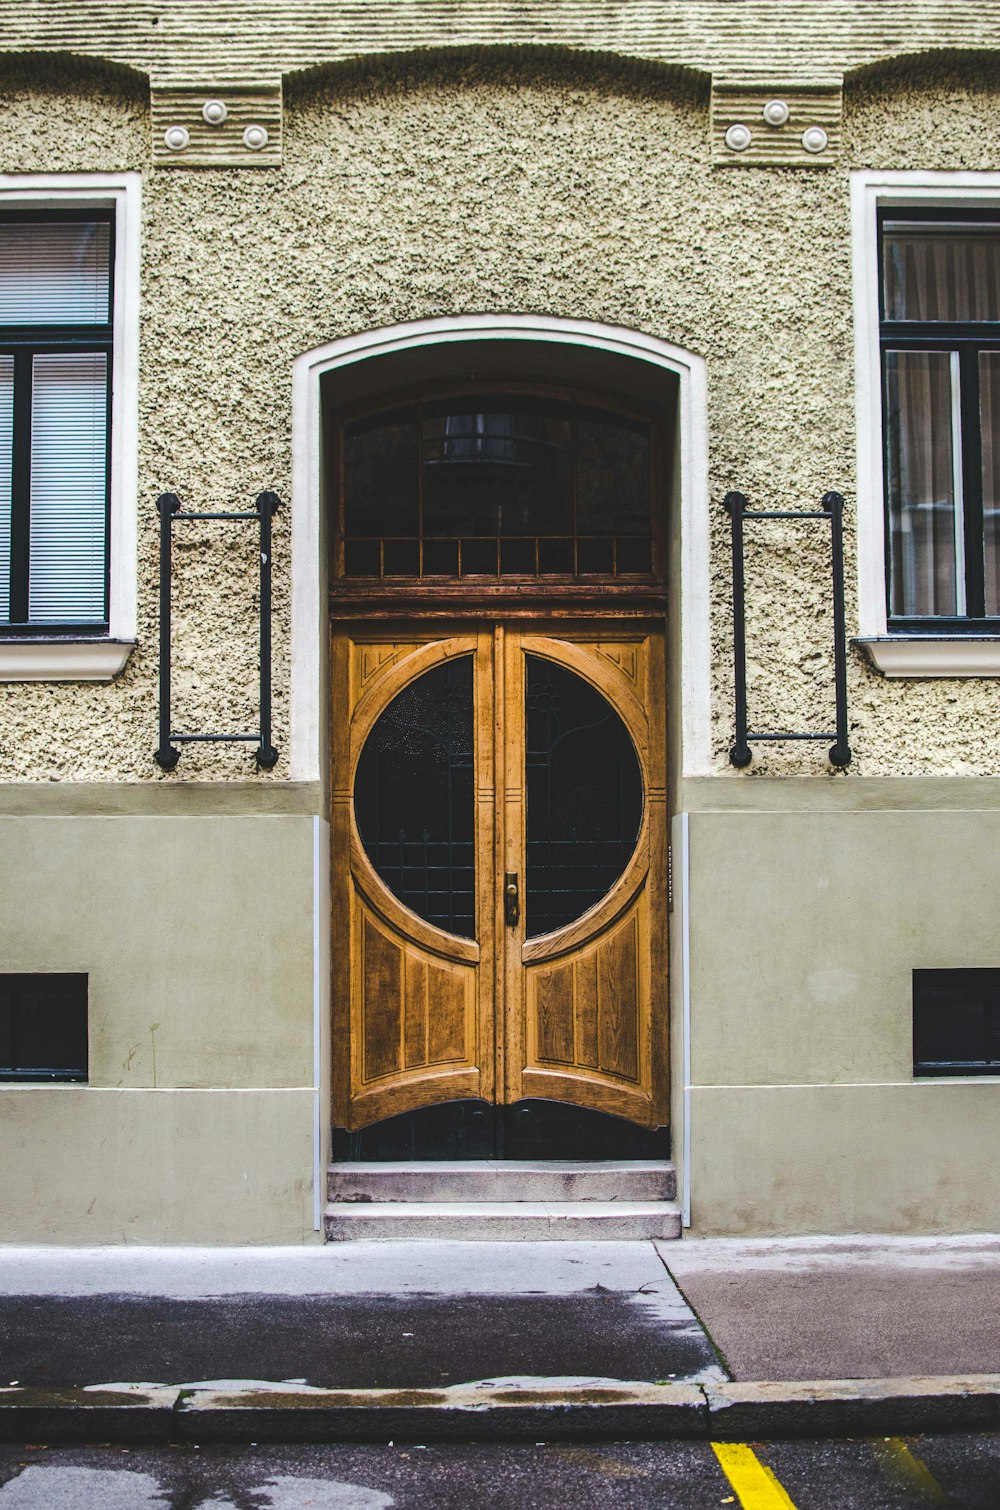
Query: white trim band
(308, 612)
(122, 193)
(897, 655)
(41, 660)
(869, 192)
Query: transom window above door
(477, 486)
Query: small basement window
(956, 1022)
(43, 1027)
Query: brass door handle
(511, 899)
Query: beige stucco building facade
(525, 191)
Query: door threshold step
(503, 1180)
(501, 1221)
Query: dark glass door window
(584, 796)
(414, 798)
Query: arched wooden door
(499, 873)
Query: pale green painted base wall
(810, 906)
(82, 1165)
(906, 1159)
(197, 1125)
(805, 928)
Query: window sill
(63, 660)
(929, 655)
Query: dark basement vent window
(956, 1022)
(43, 1027)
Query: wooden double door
(499, 869)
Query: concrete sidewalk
(349, 1315)
(845, 1308)
(501, 1338)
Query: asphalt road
(883, 1474)
(365, 1341)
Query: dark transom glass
(497, 485)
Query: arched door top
(689, 498)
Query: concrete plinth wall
(198, 1123)
(810, 905)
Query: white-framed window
(927, 323)
(69, 268)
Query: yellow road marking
(756, 1486)
(905, 1469)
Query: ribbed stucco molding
(260, 41)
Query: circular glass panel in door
(413, 797)
(584, 796)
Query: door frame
(502, 1010)
(688, 558)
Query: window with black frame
(940, 341)
(43, 1027)
(56, 306)
(956, 1022)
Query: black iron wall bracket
(832, 512)
(169, 509)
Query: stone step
(501, 1221)
(506, 1180)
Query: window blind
(6, 491)
(941, 275)
(55, 273)
(69, 396)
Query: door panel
(413, 995)
(585, 1007)
(416, 1039)
(564, 797)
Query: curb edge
(736, 1411)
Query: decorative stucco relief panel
(775, 126)
(206, 127)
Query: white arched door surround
(308, 735)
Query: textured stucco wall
(194, 40)
(572, 188)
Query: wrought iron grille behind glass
(496, 485)
(584, 796)
(413, 797)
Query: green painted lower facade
(810, 904)
(201, 1121)
(802, 906)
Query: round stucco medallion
(214, 112)
(738, 137)
(255, 137)
(775, 112)
(177, 138)
(815, 139)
